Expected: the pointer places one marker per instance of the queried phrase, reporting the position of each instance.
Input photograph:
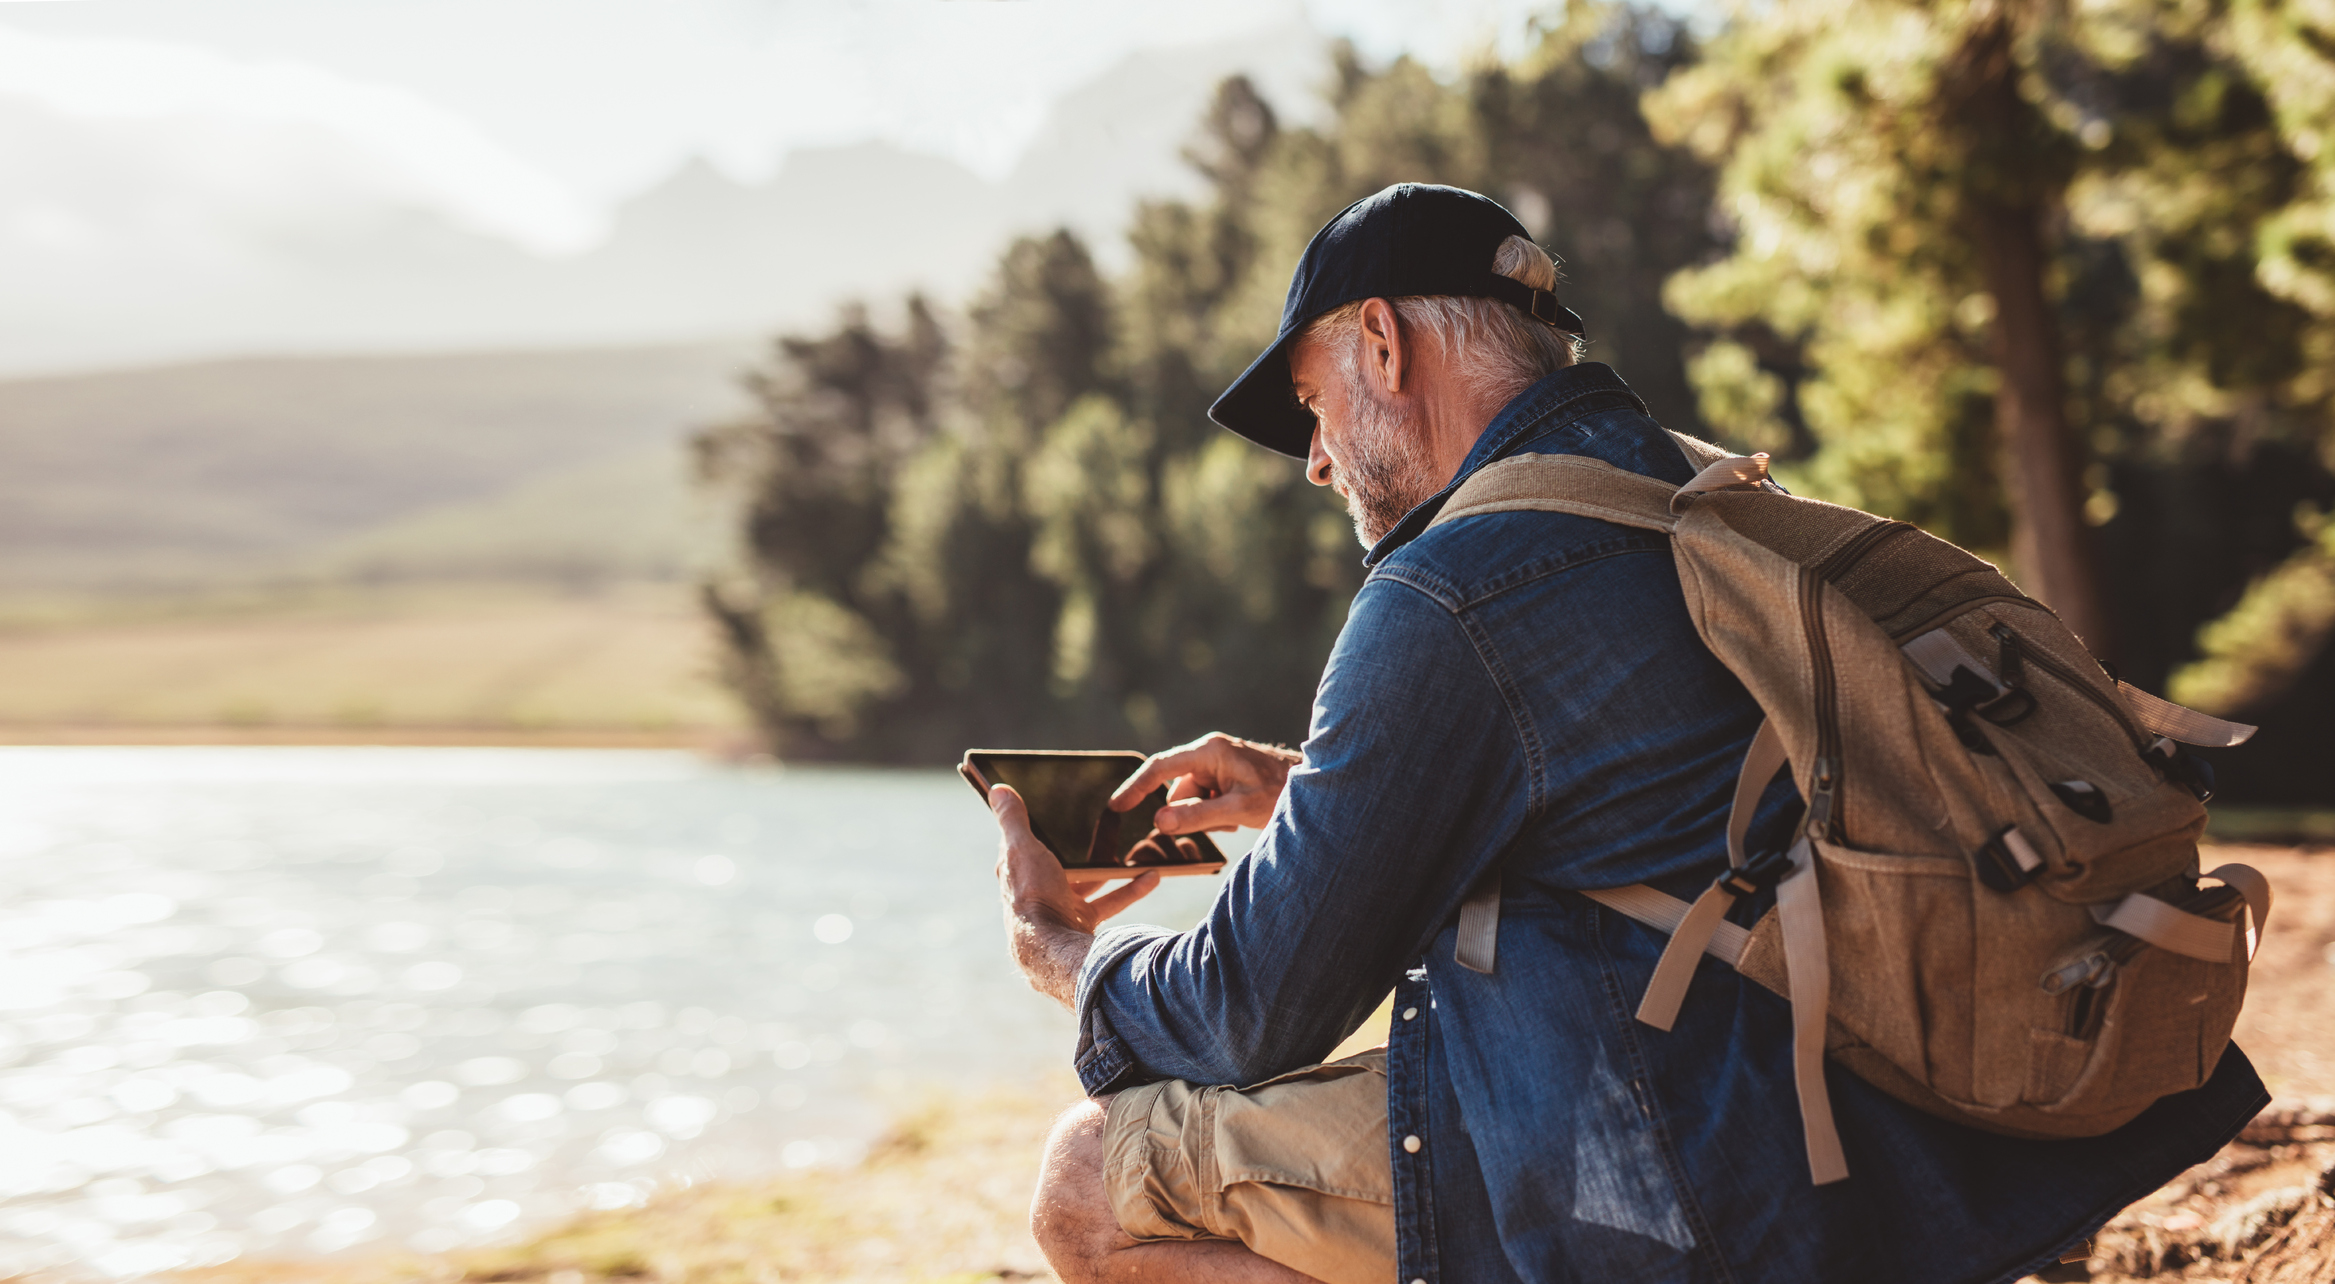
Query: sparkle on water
(290, 1001)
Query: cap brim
(1261, 407)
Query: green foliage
(1845, 181)
(1021, 528)
(2254, 653)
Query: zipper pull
(1821, 801)
(2092, 969)
(2013, 661)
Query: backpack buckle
(2008, 708)
(2007, 861)
(2189, 770)
(1762, 871)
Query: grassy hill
(490, 546)
(186, 476)
(630, 516)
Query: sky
(529, 120)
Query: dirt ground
(2263, 1210)
(2289, 1024)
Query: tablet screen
(1068, 796)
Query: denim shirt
(1524, 692)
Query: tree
(810, 638)
(1893, 173)
(1972, 221)
(2010, 168)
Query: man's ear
(1385, 356)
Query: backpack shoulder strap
(1593, 488)
(1563, 484)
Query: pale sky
(529, 119)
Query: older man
(1518, 696)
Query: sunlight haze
(218, 178)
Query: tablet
(1068, 794)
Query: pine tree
(1892, 170)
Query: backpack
(1991, 910)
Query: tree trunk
(2011, 176)
(2052, 547)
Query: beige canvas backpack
(1992, 910)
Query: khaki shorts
(1296, 1167)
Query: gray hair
(1507, 350)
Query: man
(1522, 696)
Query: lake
(286, 1001)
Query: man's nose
(1317, 460)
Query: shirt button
(1408, 1013)
(1411, 1144)
(1418, 1282)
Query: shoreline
(2306, 828)
(942, 1196)
(723, 742)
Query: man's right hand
(1214, 783)
(1049, 925)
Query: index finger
(1218, 815)
(1158, 770)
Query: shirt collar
(1557, 399)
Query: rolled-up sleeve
(1415, 776)
(1103, 1061)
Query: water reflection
(269, 1000)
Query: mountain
(701, 253)
(113, 263)
(134, 241)
(1120, 137)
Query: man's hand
(1214, 783)
(1049, 924)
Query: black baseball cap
(1410, 239)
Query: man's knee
(1071, 1213)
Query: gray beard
(1389, 473)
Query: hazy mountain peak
(321, 262)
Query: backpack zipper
(2035, 657)
(1840, 560)
(1824, 792)
(1824, 800)
(1824, 804)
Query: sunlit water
(286, 1001)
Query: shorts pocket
(1322, 1128)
